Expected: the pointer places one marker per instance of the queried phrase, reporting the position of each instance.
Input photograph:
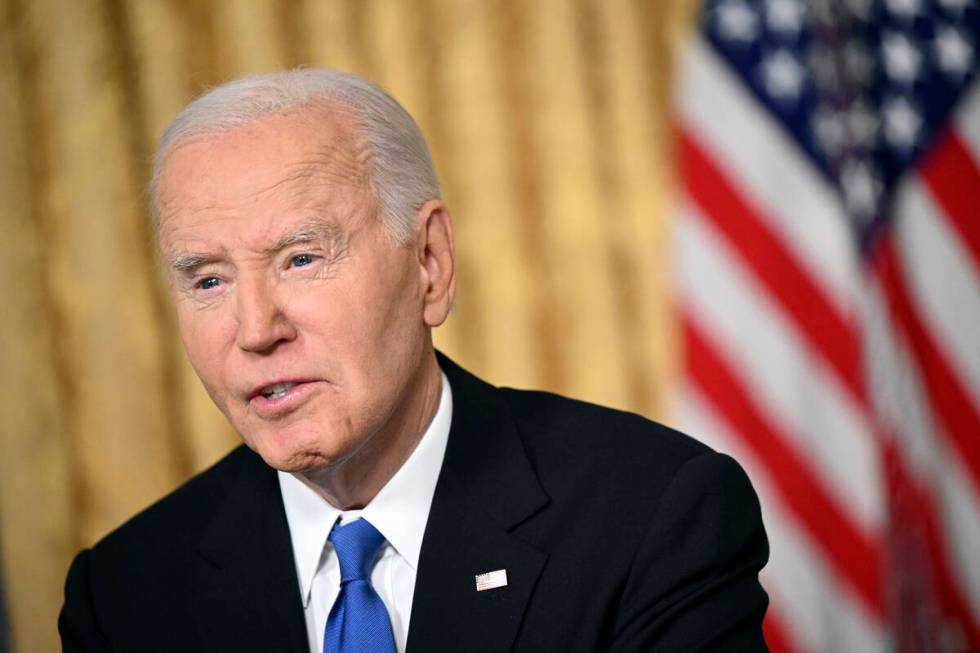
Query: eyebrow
(189, 262)
(306, 232)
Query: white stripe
(894, 393)
(794, 389)
(967, 119)
(819, 614)
(961, 522)
(797, 201)
(942, 280)
(899, 397)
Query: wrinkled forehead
(310, 155)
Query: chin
(288, 453)
(294, 461)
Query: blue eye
(207, 283)
(301, 260)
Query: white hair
(400, 167)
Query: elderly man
(385, 499)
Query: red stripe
(953, 603)
(948, 399)
(854, 556)
(827, 331)
(776, 634)
(918, 546)
(952, 176)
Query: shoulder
(587, 436)
(616, 466)
(179, 516)
(678, 525)
(146, 563)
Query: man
(385, 499)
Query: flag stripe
(942, 281)
(811, 407)
(949, 578)
(777, 638)
(769, 171)
(829, 284)
(948, 589)
(917, 503)
(947, 398)
(855, 558)
(960, 511)
(928, 462)
(798, 577)
(952, 175)
(827, 330)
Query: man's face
(303, 318)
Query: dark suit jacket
(617, 534)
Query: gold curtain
(548, 123)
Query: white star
(828, 130)
(737, 21)
(902, 57)
(784, 16)
(783, 75)
(902, 123)
(906, 9)
(861, 187)
(953, 52)
(862, 124)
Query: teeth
(277, 390)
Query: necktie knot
(357, 545)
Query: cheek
(382, 323)
(360, 333)
(204, 336)
(335, 328)
(392, 335)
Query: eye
(301, 260)
(207, 283)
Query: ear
(437, 261)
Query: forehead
(270, 167)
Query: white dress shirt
(399, 511)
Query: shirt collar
(399, 511)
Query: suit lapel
(485, 489)
(249, 599)
(250, 594)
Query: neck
(352, 484)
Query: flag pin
(491, 580)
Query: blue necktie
(358, 621)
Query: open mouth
(276, 400)
(277, 390)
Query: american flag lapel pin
(491, 580)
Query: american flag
(829, 292)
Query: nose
(262, 322)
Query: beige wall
(548, 124)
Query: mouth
(277, 390)
(280, 397)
